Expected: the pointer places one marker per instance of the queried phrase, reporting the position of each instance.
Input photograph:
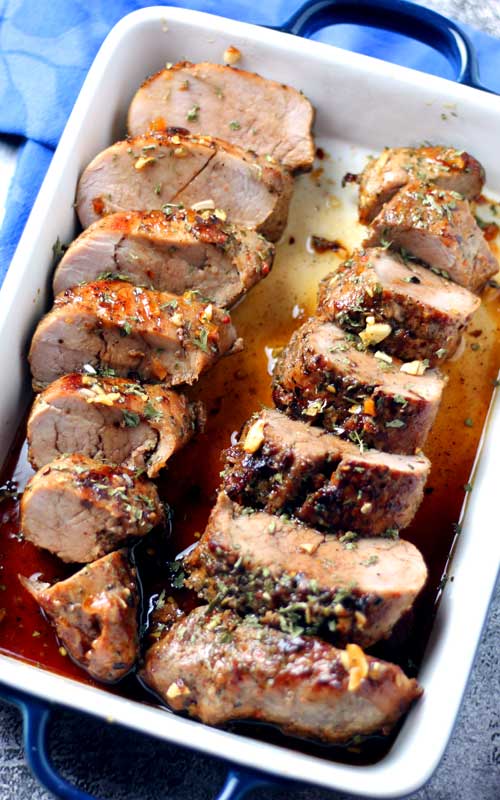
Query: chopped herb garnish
(468, 422)
(113, 276)
(152, 413)
(59, 249)
(468, 487)
(234, 125)
(395, 423)
(192, 114)
(201, 340)
(131, 419)
(126, 328)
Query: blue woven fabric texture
(47, 47)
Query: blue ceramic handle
(399, 16)
(36, 720)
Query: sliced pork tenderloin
(437, 227)
(255, 113)
(446, 167)
(112, 325)
(151, 172)
(206, 665)
(287, 466)
(140, 426)
(95, 613)
(345, 588)
(184, 250)
(398, 305)
(371, 398)
(80, 509)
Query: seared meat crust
(138, 425)
(286, 466)
(155, 336)
(95, 615)
(446, 167)
(241, 107)
(80, 509)
(321, 377)
(218, 668)
(348, 589)
(184, 250)
(437, 227)
(426, 313)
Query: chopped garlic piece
(176, 319)
(383, 356)
(220, 214)
(104, 399)
(144, 162)
(180, 152)
(366, 508)
(203, 205)
(310, 547)
(355, 663)
(174, 690)
(255, 437)
(413, 367)
(231, 55)
(374, 332)
(207, 313)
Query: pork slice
(323, 378)
(437, 227)
(292, 577)
(175, 252)
(94, 613)
(446, 167)
(80, 509)
(140, 426)
(112, 325)
(287, 466)
(245, 109)
(153, 171)
(219, 668)
(398, 305)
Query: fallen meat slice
(437, 227)
(292, 577)
(112, 325)
(169, 252)
(396, 304)
(219, 668)
(446, 167)
(95, 615)
(140, 426)
(373, 399)
(287, 466)
(151, 172)
(269, 118)
(81, 509)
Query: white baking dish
(361, 101)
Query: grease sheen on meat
(206, 665)
(114, 419)
(446, 167)
(95, 613)
(348, 589)
(322, 377)
(80, 509)
(437, 227)
(170, 252)
(255, 113)
(156, 336)
(288, 466)
(147, 172)
(425, 312)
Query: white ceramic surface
(359, 100)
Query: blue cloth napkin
(47, 47)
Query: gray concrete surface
(121, 765)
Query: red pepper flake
(226, 319)
(490, 231)
(320, 153)
(98, 206)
